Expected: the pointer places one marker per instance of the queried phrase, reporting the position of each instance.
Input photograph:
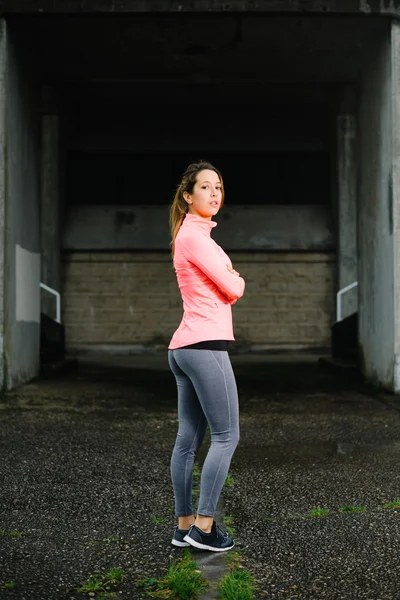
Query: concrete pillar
(50, 219)
(347, 211)
(3, 46)
(394, 193)
(21, 259)
(379, 209)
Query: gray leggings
(207, 393)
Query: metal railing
(58, 300)
(339, 299)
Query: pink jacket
(207, 287)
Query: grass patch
(318, 512)
(394, 504)
(229, 481)
(196, 483)
(157, 520)
(228, 525)
(233, 560)
(100, 581)
(12, 533)
(8, 585)
(228, 520)
(196, 470)
(239, 584)
(348, 508)
(183, 581)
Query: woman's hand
(232, 270)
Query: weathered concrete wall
(239, 228)
(22, 249)
(127, 302)
(377, 269)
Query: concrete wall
(377, 270)
(239, 228)
(130, 301)
(3, 87)
(22, 239)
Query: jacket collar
(199, 222)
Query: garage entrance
(140, 97)
(127, 101)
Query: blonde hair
(179, 206)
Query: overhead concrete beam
(388, 8)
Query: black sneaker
(177, 538)
(216, 541)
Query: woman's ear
(186, 196)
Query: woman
(199, 359)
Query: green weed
(237, 585)
(158, 520)
(233, 560)
(230, 530)
(12, 533)
(8, 585)
(349, 508)
(182, 581)
(99, 581)
(196, 483)
(394, 504)
(196, 470)
(318, 512)
(112, 539)
(228, 522)
(229, 481)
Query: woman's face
(206, 198)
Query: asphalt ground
(85, 485)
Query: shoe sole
(204, 546)
(180, 544)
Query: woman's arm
(201, 251)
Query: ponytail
(177, 213)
